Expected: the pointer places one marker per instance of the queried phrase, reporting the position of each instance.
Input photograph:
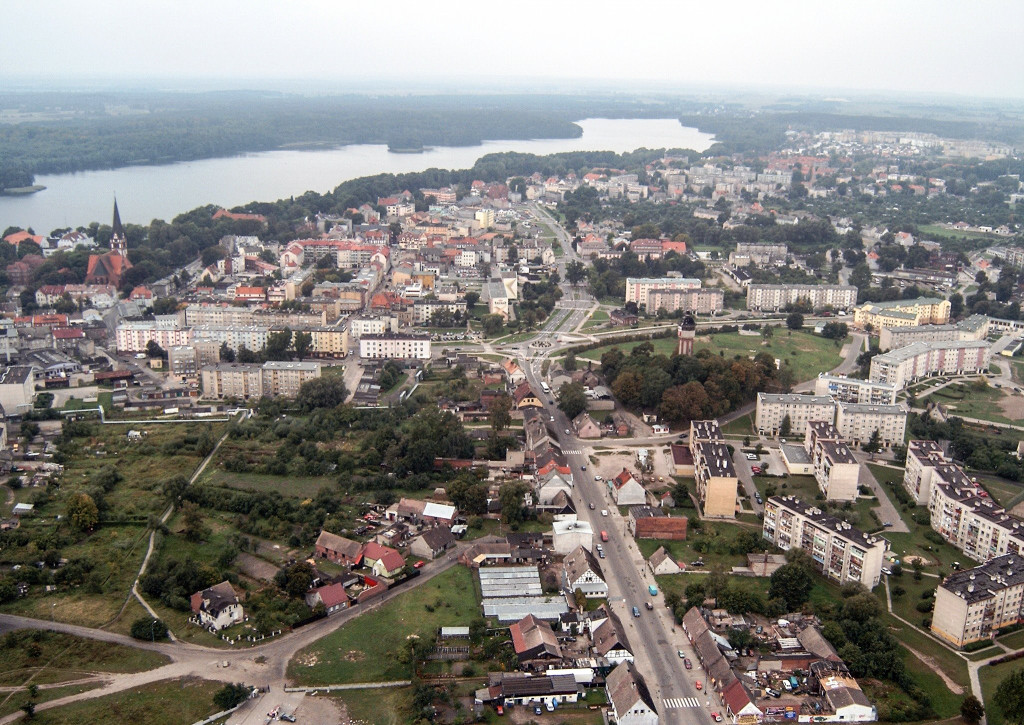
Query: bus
(546, 388)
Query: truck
(653, 590)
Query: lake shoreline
(23, 190)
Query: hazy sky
(967, 47)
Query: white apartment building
(698, 301)
(423, 310)
(975, 327)
(854, 390)
(924, 359)
(249, 380)
(394, 346)
(167, 332)
(922, 459)
(835, 469)
(837, 550)
(856, 422)
(372, 325)
(638, 287)
(772, 409)
(225, 315)
(774, 297)
(971, 605)
(714, 471)
(902, 313)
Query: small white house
(661, 563)
(627, 491)
(580, 570)
(217, 607)
(630, 698)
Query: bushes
(149, 629)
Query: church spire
(118, 240)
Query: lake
(145, 193)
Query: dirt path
(934, 667)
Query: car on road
(699, 685)
(567, 431)
(681, 655)
(592, 507)
(716, 716)
(604, 512)
(650, 607)
(687, 664)
(887, 571)
(551, 418)
(757, 497)
(600, 553)
(604, 537)
(755, 469)
(751, 457)
(598, 478)
(583, 468)
(419, 564)
(636, 611)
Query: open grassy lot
(905, 605)
(366, 650)
(11, 702)
(384, 706)
(1014, 640)
(600, 317)
(1006, 493)
(163, 703)
(804, 353)
(970, 401)
(742, 426)
(56, 657)
(991, 676)
(299, 486)
(716, 539)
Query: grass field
(57, 657)
(991, 676)
(1006, 493)
(300, 487)
(384, 706)
(806, 354)
(718, 536)
(599, 317)
(11, 702)
(1014, 640)
(964, 399)
(742, 426)
(171, 702)
(365, 650)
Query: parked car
(687, 664)
(751, 457)
(583, 468)
(419, 564)
(716, 716)
(567, 431)
(636, 611)
(755, 469)
(699, 685)
(604, 512)
(698, 562)
(500, 710)
(681, 655)
(538, 710)
(887, 571)
(592, 507)
(598, 478)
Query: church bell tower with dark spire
(118, 240)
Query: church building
(108, 268)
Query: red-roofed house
(739, 703)
(141, 293)
(535, 643)
(670, 246)
(333, 597)
(17, 238)
(383, 560)
(627, 491)
(248, 294)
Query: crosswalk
(674, 703)
(572, 451)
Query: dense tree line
(684, 388)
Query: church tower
(686, 331)
(118, 241)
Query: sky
(961, 47)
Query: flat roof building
(773, 408)
(972, 605)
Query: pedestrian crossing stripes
(572, 451)
(674, 703)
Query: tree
(971, 710)
(569, 361)
(874, 443)
(794, 321)
(174, 487)
(230, 695)
(277, 344)
(471, 299)
(165, 305)
(148, 628)
(572, 399)
(683, 403)
(511, 497)
(787, 426)
(792, 583)
(226, 353)
(835, 331)
(154, 350)
(323, 392)
(192, 518)
(492, 324)
(82, 512)
(580, 599)
(575, 272)
(302, 342)
(767, 332)
(1009, 697)
(501, 413)
(860, 277)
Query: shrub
(149, 628)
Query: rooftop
(914, 349)
(824, 521)
(982, 581)
(794, 399)
(864, 408)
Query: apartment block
(838, 550)
(183, 361)
(394, 346)
(902, 313)
(167, 332)
(697, 301)
(249, 380)
(922, 459)
(714, 471)
(772, 409)
(759, 254)
(970, 521)
(972, 605)
(857, 422)
(638, 287)
(854, 390)
(835, 468)
(975, 327)
(924, 359)
(774, 297)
